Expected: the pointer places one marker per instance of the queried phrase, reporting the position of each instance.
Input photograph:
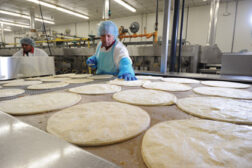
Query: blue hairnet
(27, 40)
(108, 27)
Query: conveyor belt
(125, 154)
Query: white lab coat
(120, 51)
(37, 52)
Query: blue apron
(105, 61)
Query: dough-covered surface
(51, 79)
(68, 75)
(96, 89)
(223, 109)
(224, 92)
(78, 80)
(101, 77)
(77, 76)
(197, 144)
(167, 86)
(39, 103)
(123, 82)
(10, 92)
(22, 83)
(180, 80)
(145, 97)
(48, 85)
(10, 81)
(225, 84)
(98, 123)
(148, 77)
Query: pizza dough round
(167, 86)
(11, 81)
(10, 92)
(78, 80)
(225, 84)
(51, 79)
(145, 97)
(224, 92)
(48, 86)
(180, 80)
(101, 77)
(64, 75)
(39, 103)
(98, 123)
(96, 89)
(23, 83)
(123, 82)
(148, 77)
(222, 109)
(196, 144)
(81, 76)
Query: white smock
(37, 52)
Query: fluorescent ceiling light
(6, 30)
(25, 16)
(11, 23)
(59, 8)
(125, 5)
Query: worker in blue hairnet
(28, 48)
(111, 55)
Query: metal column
(181, 35)
(213, 22)
(165, 39)
(2, 33)
(234, 28)
(32, 19)
(174, 36)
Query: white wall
(198, 22)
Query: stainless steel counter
(24, 146)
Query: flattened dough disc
(10, 92)
(23, 83)
(78, 80)
(167, 86)
(77, 76)
(48, 85)
(51, 79)
(197, 144)
(123, 82)
(39, 103)
(224, 92)
(225, 84)
(180, 80)
(98, 123)
(148, 77)
(101, 77)
(96, 89)
(145, 97)
(222, 109)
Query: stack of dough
(98, 123)
(197, 144)
(39, 103)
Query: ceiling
(91, 8)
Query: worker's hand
(127, 77)
(91, 62)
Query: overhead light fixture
(11, 23)
(25, 16)
(59, 8)
(124, 4)
(6, 30)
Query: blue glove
(127, 77)
(92, 62)
(125, 70)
